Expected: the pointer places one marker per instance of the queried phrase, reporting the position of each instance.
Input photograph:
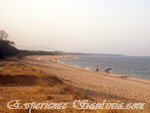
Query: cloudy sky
(92, 26)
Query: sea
(134, 66)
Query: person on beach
(124, 76)
(97, 69)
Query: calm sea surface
(138, 67)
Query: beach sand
(98, 85)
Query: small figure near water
(107, 70)
(97, 69)
(124, 76)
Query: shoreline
(110, 74)
(101, 84)
(41, 78)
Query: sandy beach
(46, 78)
(98, 85)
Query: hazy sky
(93, 26)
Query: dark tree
(6, 47)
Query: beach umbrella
(107, 70)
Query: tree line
(7, 47)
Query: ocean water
(138, 67)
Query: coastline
(43, 78)
(97, 84)
(110, 74)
